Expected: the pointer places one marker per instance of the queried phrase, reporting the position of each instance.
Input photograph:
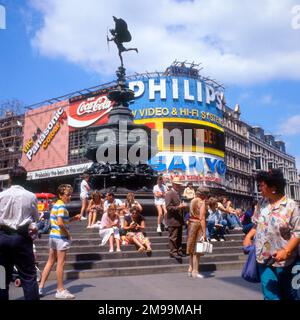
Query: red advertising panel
(46, 137)
(89, 112)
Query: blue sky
(50, 48)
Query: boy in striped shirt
(59, 241)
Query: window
(292, 192)
(258, 163)
(77, 146)
(270, 165)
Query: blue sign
(176, 97)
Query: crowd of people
(274, 223)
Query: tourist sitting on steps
(109, 229)
(95, 208)
(215, 223)
(134, 227)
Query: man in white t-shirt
(110, 199)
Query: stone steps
(95, 239)
(156, 246)
(87, 259)
(132, 254)
(128, 271)
(146, 261)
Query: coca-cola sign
(91, 111)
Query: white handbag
(203, 246)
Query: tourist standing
(175, 218)
(84, 195)
(196, 230)
(159, 191)
(18, 209)
(59, 241)
(189, 192)
(277, 237)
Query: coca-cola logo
(101, 103)
(89, 112)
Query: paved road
(220, 285)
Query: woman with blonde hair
(130, 202)
(109, 229)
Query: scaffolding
(11, 136)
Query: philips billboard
(187, 112)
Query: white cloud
(291, 126)
(238, 42)
(268, 99)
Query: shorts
(160, 202)
(84, 196)
(59, 244)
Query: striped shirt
(59, 211)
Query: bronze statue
(121, 34)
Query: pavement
(219, 285)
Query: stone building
(249, 149)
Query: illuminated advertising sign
(176, 97)
(46, 137)
(89, 112)
(190, 108)
(190, 166)
(43, 138)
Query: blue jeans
(212, 231)
(43, 226)
(233, 221)
(16, 249)
(276, 283)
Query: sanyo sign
(178, 90)
(2, 17)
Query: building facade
(249, 149)
(11, 136)
(51, 140)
